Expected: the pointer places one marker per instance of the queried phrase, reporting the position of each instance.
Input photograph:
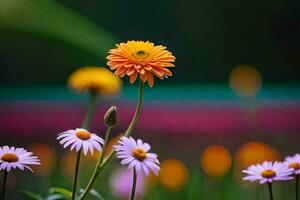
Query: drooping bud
(111, 117)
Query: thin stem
(297, 186)
(133, 185)
(85, 124)
(76, 175)
(137, 113)
(97, 168)
(270, 190)
(102, 164)
(108, 130)
(90, 110)
(4, 184)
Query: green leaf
(50, 19)
(60, 190)
(96, 194)
(31, 195)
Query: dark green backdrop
(207, 37)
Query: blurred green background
(43, 41)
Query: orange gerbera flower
(141, 58)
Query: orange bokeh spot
(173, 174)
(253, 153)
(216, 161)
(47, 156)
(245, 80)
(112, 142)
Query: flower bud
(111, 117)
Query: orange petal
(130, 71)
(158, 73)
(133, 77)
(128, 65)
(143, 77)
(147, 67)
(137, 66)
(166, 71)
(120, 71)
(150, 79)
(141, 71)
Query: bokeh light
(47, 156)
(216, 161)
(255, 152)
(120, 183)
(112, 142)
(245, 80)
(173, 174)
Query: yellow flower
(173, 174)
(143, 59)
(95, 79)
(216, 161)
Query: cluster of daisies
(133, 153)
(268, 172)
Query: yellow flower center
(268, 173)
(83, 134)
(140, 54)
(295, 166)
(10, 157)
(139, 154)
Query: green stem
(137, 113)
(101, 164)
(4, 184)
(133, 185)
(76, 175)
(85, 124)
(297, 186)
(97, 168)
(90, 110)
(270, 190)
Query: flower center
(10, 157)
(268, 173)
(83, 134)
(139, 154)
(140, 54)
(295, 166)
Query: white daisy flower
(80, 138)
(135, 155)
(12, 158)
(293, 162)
(267, 172)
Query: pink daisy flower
(12, 158)
(293, 162)
(135, 155)
(267, 172)
(80, 138)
